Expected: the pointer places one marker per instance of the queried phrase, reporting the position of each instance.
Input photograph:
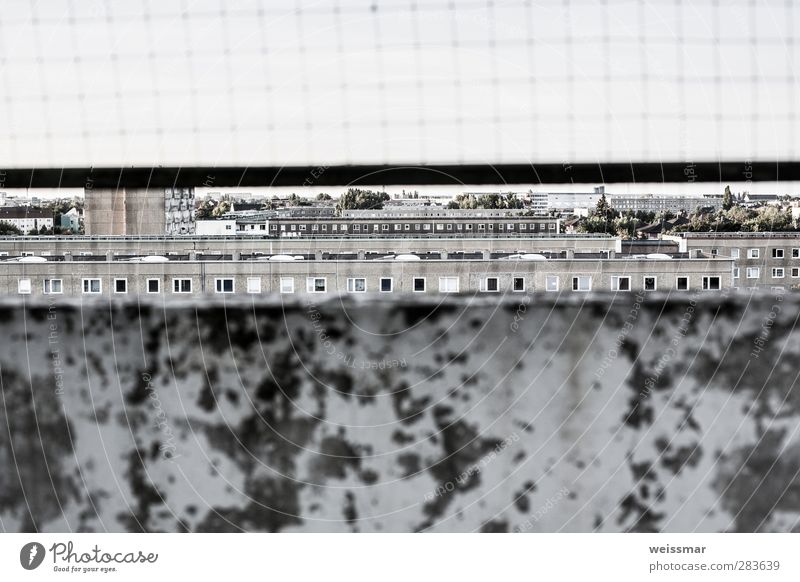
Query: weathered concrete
(528, 414)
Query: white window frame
(283, 287)
(47, 287)
(147, 285)
(176, 282)
(778, 272)
(445, 284)
(756, 270)
(678, 282)
(655, 282)
(734, 253)
(514, 284)
(615, 279)
(380, 284)
(311, 284)
(351, 284)
(89, 280)
(219, 286)
(577, 279)
(125, 280)
(707, 283)
(753, 253)
(414, 284)
(24, 286)
(736, 272)
(253, 284)
(777, 253)
(795, 272)
(796, 253)
(486, 285)
(551, 279)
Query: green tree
(727, 199)
(604, 210)
(8, 229)
(222, 208)
(360, 199)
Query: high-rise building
(139, 211)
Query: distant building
(27, 218)
(663, 203)
(216, 227)
(72, 220)
(138, 211)
(750, 200)
(573, 200)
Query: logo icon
(31, 555)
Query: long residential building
(480, 273)
(27, 218)
(469, 224)
(760, 259)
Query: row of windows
(777, 272)
(91, 286)
(416, 226)
(756, 253)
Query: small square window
(551, 283)
(153, 285)
(711, 283)
(286, 285)
(795, 271)
(682, 283)
(92, 286)
(419, 284)
(753, 272)
(777, 253)
(582, 283)
(357, 285)
(620, 283)
(53, 287)
(796, 253)
(316, 284)
(519, 284)
(120, 285)
(254, 284)
(24, 286)
(734, 253)
(753, 253)
(181, 285)
(224, 285)
(650, 284)
(448, 284)
(492, 284)
(777, 273)
(386, 285)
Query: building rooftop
(15, 212)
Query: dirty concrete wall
(535, 414)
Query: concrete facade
(338, 276)
(160, 245)
(760, 259)
(139, 211)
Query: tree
(603, 208)
(727, 199)
(205, 210)
(323, 196)
(359, 199)
(222, 208)
(8, 229)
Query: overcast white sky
(354, 81)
